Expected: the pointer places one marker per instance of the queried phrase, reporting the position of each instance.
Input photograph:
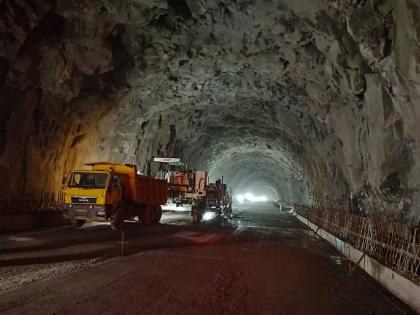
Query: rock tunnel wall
(316, 98)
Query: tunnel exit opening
(258, 192)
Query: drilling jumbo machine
(192, 187)
(185, 186)
(218, 200)
(113, 192)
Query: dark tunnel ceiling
(311, 97)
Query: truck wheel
(158, 214)
(148, 215)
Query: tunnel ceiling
(311, 97)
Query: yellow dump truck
(113, 192)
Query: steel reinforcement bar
(394, 244)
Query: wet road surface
(261, 261)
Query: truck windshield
(88, 180)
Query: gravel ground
(14, 277)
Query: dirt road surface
(262, 261)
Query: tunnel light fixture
(250, 197)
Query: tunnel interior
(305, 101)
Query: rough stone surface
(314, 98)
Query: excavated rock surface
(314, 98)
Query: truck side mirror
(64, 180)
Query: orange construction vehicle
(186, 186)
(217, 199)
(191, 187)
(114, 192)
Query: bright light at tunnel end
(249, 197)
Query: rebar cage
(395, 244)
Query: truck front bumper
(85, 212)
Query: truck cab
(91, 195)
(115, 192)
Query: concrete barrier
(20, 222)
(401, 287)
